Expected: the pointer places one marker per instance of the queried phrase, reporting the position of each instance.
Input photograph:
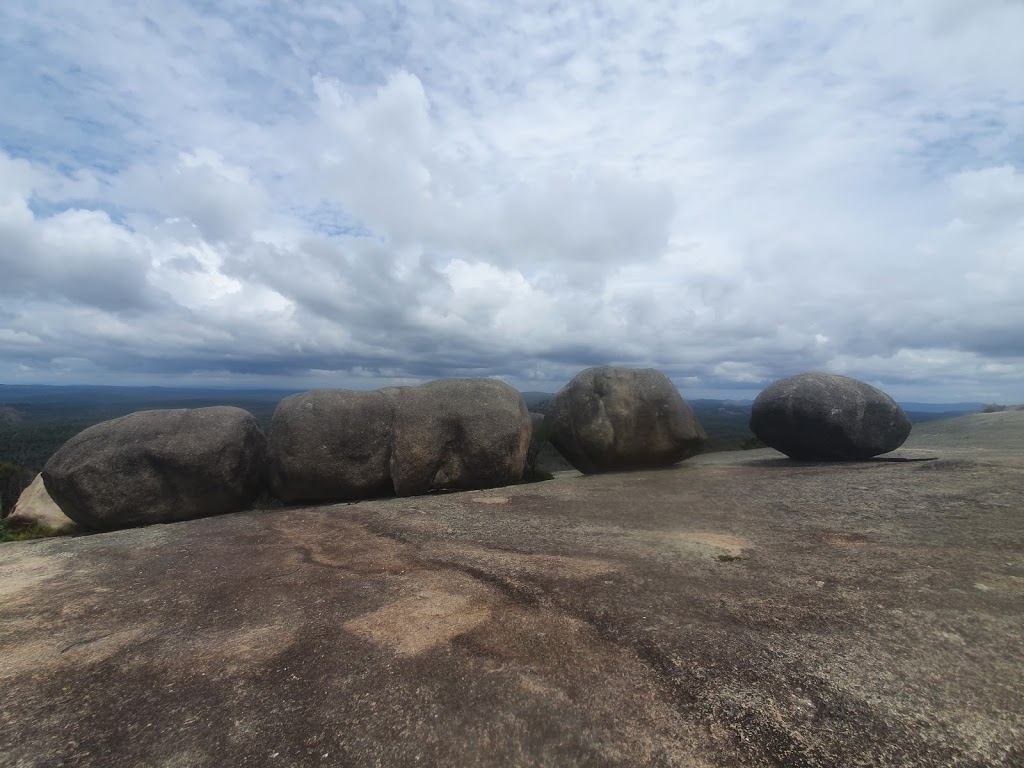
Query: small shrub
(993, 408)
(10, 532)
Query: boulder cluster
(335, 445)
(326, 445)
(451, 434)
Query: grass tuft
(10, 532)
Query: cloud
(75, 255)
(307, 194)
(220, 199)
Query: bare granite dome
(736, 609)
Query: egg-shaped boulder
(159, 467)
(331, 445)
(825, 417)
(458, 434)
(610, 418)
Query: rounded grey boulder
(159, 467)
(331, 445)
(609, 419)
(458, 434)
(824, 417)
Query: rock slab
(825, 417)
(159, 467)
(35, 507)
(722, 613)
(609, 419)
(331, 445)
(458, 434)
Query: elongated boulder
(331, 445)
(824, 417)
(35, 507)
(609, 419)
(458, 434)
(159, 467)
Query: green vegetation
(31, 444)
(727, 425)
(995, 408)
(13, 480)
(10, 532)
(34, 427)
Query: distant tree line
(13, 480)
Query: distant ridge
(710, 402)
(11, 394)
(20, 393)
(534, 399)
(943, 407)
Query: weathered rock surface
(609, 419)
(35, 507)
(331, 445)
(824, 417)
(734, 610)
(458, 434)
(159, 467)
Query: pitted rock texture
(733, 610)
(609, 419)
(458, 434)
(331, 445)
(159, 467)
(824, 417)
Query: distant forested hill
(944, 408)
(36, 420)
(537, 402)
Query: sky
(359, 194)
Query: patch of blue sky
(57, 118)
(297, 41)
(343, 230)
(331, 221)
(947, 144)
(43, 209)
